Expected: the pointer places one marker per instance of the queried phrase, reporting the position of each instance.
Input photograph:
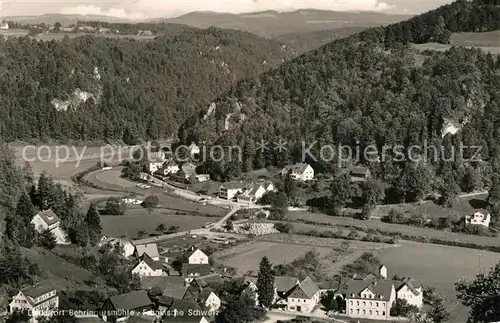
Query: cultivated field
(439, 267)
(284, 248)
(60, 36)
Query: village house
(123, 246)
(480, 217)
(168, 168)
(229, 190)
(193, 149)
(122, 305)
(188, 170)
(178, 310)
(104, 30)
(360, 173)
(251, 194)
(196, 256)
(37, 300)
(148, 267)
(192, 271)
(151, 249)
(268, 186)
(300, 172)
(290, 294)
(372, 297)
(48, 220)
(4, 25)
(67, 29)
(202, 177)
(205, 297)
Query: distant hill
(65, 20)
(274, 24)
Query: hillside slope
(99, 88)
(367, 88)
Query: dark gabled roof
(412, 285)
(284, 284)
(130, 301)
(309, 287)
(234, 185)
(208, 280)
(149, 248)
(38, 289)
(49, 217)
(184, 307)
(155, 265)
(201, 269)
(360, 170)
(298, 168)
(174, 287)
(381, 288)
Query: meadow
(487, 41)
(439, 267)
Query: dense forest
(95, 88)
(364, 90)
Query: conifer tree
(265, 283)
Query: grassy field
(439, 267)
(463, 206)
(320, 220)
(54, 36)
(487, 41)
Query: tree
(142, 233)
(93, 224)
(449, 191)
(229, 225)
(113, 207)
(18, 317)
(494, 192)
(373, 192)
(438, 312)
(471, 180)
(401, 308)
(342, 190)
(173, 229)
(284, 227)
(265, 283)
(160, 227)
(329, 302)
(150, 202)
(289, 186)
(240, 310)
(47, 240)
(482, 296)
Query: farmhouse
(480, 217)
(205, 297)
(196, 256)
(290, 293)
(192, 271)
(189, 170)
(151, 249)
(48, 220)
(156, 161)
(251, 194)
(202, 177)
(360, 173)
(148, 267)
(193, 149)
(229, 190)
(300, 172)
(37, 300)
(123, 246)
(4, 25)
(179, 310)
(168, 168)
(137, 301)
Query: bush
(284, 227)
(150, 202)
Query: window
(370, 303)
(376, 312)
(351, 302)
(383, 313)
(357, 303)
(357, 311)
(376, 304)
(364, 311)
(304, 301)
(370, 312)
(351, 311)
(364, 303)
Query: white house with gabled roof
(48, 220)
(38, 300)
(151, 249)
(300, 172)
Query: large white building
(300, 172)
(196, 256)
(147, 267)
(372, 297)
(125, 247)
(480, 217)
(48, 220)
(39, 300)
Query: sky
(146, 9)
